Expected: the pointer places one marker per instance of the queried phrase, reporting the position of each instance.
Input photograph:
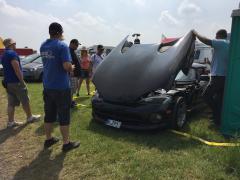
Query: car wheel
(179, 113)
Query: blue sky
(108, 21)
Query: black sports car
(147, 86)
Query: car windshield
(29, 58)
(38, 60)
(191, 76)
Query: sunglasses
(12, 44)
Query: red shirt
(85, 62)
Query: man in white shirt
(96, 59)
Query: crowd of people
(84, 67)
(64, 74)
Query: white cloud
(135, 3)
(168, 19)
(30, 28)
(95, 29)
(10, 10)
(140, 2)
(87, 21)
(188, 9)
(58, 3)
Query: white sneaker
(14, 124)
(33, 118)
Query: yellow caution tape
(75, 97)
(209, 143)
(91, 93)
(81, 105)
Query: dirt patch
(18, 147)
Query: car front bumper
(136, 116)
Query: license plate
(113, 123)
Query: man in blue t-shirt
(14, 84)
(213, 94)
(57, 94)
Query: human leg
(50, 117)
(65, 133)
(10, 111)
(79, 85)
(208, 96)
(48, 130)
(12, 103)
(63, 111)
(220, 83)
(27, 109)
(88, 85)
(20, 91)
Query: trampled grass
(107, 153)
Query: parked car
(147, 86)
(29, 59)
(23, 61)
(33, 70)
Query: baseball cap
(75, 41)
(100, 47)
(55, 28)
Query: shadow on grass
(232, 161)
(43, 167)
(9, 132)
(162, 139)
(40, 130)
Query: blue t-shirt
(220, 57)
(8, 71)
(54, 53)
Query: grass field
(107, 153)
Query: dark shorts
(17, 92)
(57, 104)
(84, 74)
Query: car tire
(179, 113)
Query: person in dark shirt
(77, 70)
(75, 61)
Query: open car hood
(126, 76)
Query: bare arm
(68, 66)
(203, 39)
(16, 67)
